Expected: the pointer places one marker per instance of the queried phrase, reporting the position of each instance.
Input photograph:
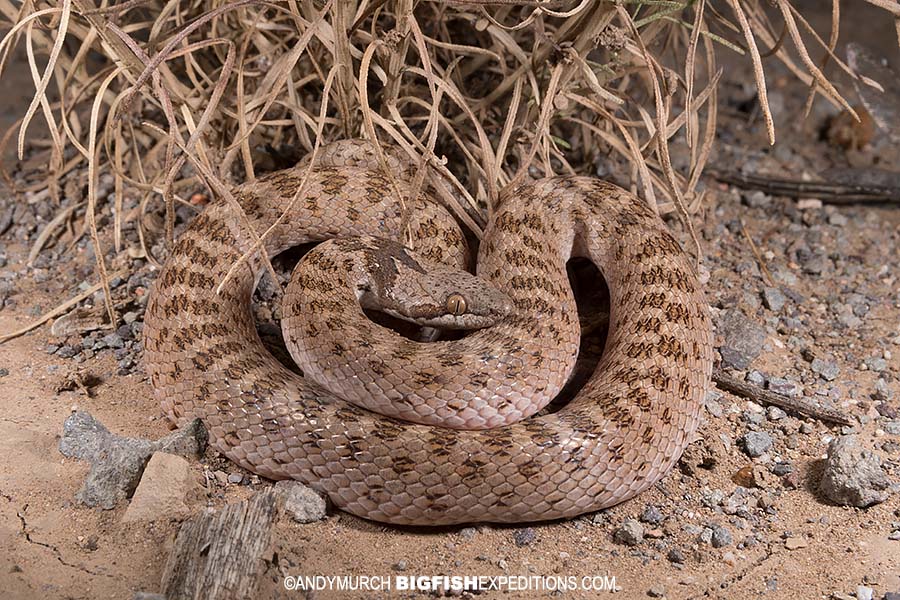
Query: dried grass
(486, 92)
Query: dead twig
(833, 193)
(799, 406)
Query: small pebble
(783, 387)
(773, 413)
(657, 591)
(524, 537)
(675, 555)
(630, 533)
(795, 543)
(756, 378)
(652, 515)
(773, 299)
(827, 370)
(756, 443)
(882, 392)
(721, 537)
(235, 478)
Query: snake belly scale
(621, 433)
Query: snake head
(404, 285)
(447, 299)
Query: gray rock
(853, 476)
(235, 478)
(782, 469)
(756, 378)
(887, 411)
(721, 537)
(756, 199)
(303, 504)
(876, 363)
(630, 533)
(675, 555)
(189, 441)
(756, 443)
(825, 369)
(113, 340)
(652, 515)
(117, 462)
(773, 413)
(773, 299)
(882, 391)
(657, 591)
(864, 593)
(743, 339)
(837, 219)
(524, 537)
(892, 427)
(66, 351)
(147, 596)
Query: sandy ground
(51, 547)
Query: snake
(620, 434)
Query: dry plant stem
(759, 259)
(59, 309)
(662, 142)
(39, 96)
(594, 23)
(758, 72)
(689, 70)
(832, 43)
(817, 75)
(258, 243)
(759, 395)
(344, 64)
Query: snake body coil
(620, 434)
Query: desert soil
(815, 297)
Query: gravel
(652, 515)
(675, 555)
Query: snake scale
(620, 434)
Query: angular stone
(853, 476)
(163, 491)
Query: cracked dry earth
(815, 315)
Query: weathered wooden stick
(759, 395)
(826, 191)
(218, 556)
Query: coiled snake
(621, 433)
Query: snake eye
(456, 304)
